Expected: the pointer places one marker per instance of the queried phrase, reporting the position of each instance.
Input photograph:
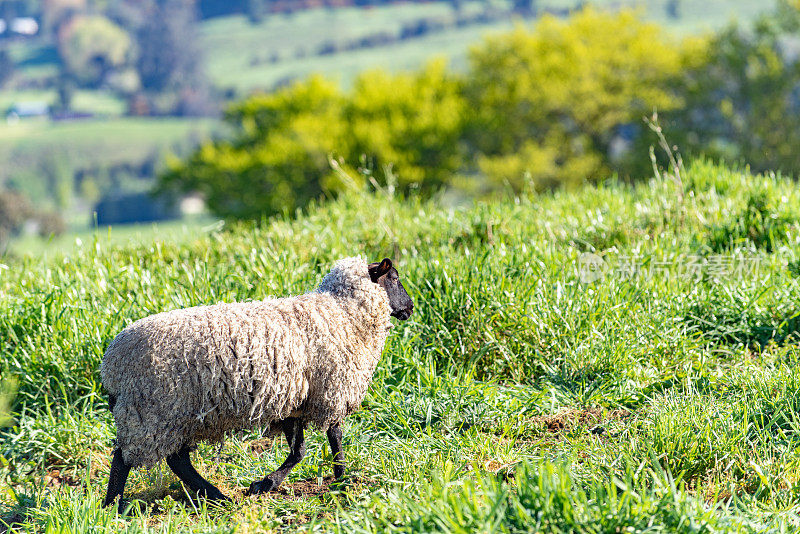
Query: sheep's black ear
(376, 270)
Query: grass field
(37, 152)
(613, 359)
(238, 51)
(123, 138)
(101, 103)
(245, 72)
(122, 235)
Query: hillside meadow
(246, 56)
(45, 159)
(614, 358)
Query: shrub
(15, 209)
(412, 121)
(91, 46)
(740, 102)
(552, 101)
(277, 157)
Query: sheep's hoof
(260, 486)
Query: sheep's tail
(112, 401)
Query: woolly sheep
(195, 374)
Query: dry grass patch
(568, 419)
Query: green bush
(277, 158)
(550, 102)
(740, 102)
(413, 122)
(92, 46)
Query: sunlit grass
(520, 396)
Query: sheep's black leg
(116, 479)
(335, 440)
(293, 428)
(181, 465)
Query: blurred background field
(101, 99)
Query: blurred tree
(742, 103)
(91, 47)
(673, 9)
(65, 86)
(550, 103)
(57, 12)
(170, 59)
(277, 158)
(412, 121)
(526, 8)
(50, 223)
(6, 67)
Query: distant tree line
(553, 107)
(257, 10)
(414, 29)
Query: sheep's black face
(386, 276)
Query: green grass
(119, 138)
(518, 398)
(112, 236)
(102, 103)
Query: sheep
(195, 374)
